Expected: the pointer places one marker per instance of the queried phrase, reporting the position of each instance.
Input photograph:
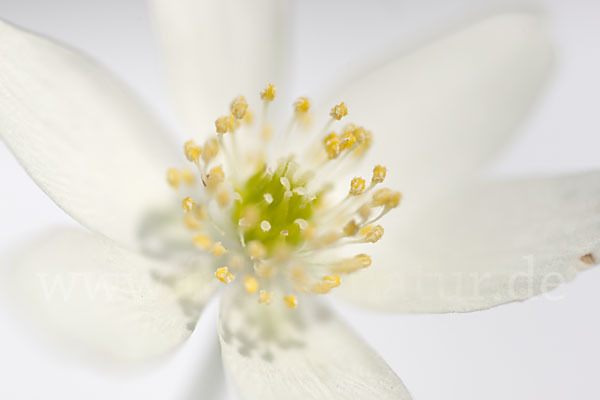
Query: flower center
(277, 222)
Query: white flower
(136, 286)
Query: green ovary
(282, 213)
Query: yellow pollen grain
(290, 301)
(224, 275)
(225, 124)
(268, 93)
(192, 151)
(302, 105)
(351, 228)
(339, 111)
(256, 250)
(238, 107)
(250, 284)
(218, 249)
(379, 173)
(173, 177)
(357, 186)
(264, 297)
(202, 241)
(191, 222)
(188, 204)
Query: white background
(541, 349)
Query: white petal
(444, 108)
(80, 134)
(490, 244)
(273, 353)
(218, 49)
(103, 300)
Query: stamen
(302, 105)
(256, 250)
(339, 111)
(238, 107)
(250, 284)
(202, 241)
(211, 149)
(265, 226)
(225, 124)
(357, 186)
(290, 301)
(173, 177)
(379, 173)
(264, 297)
(218, 249)
(192, 151)
(268, 93)
(224, 275)
(188, 204)
(327, 283)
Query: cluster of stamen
(273, 222)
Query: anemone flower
(275, 209)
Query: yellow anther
(224, 198)
(353, 264)
(364, 259)
(365, 144)
(191, 222)
(224, 275)
(225, 124)
(250, 284)
(302, 105)
(290, 301)
(333, 148)
(188, 204)
(173, 177)
(381, 197)
(351, 228)
(264, 269)
(249, 117)
(360, 134)
(192, 151)
(330, 137)
(339, 111)
(256, 250)
(348, 140)
(379, 173)
(211, 149)
(372, 233)
(218, 249)
(249, 216)
(357, 186)
(269, 92)
(215, 177)
(202, 241)
(394, 200)
(327, 283)
(349, 128)
(238, 107)
(267, 132)
(364, 211)
(187, 176)
(264, 297)
(200, 212)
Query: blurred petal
(103, 300)
(272, 353)
(490, 244)
(443, 109)
(218, 49)
(82, 136)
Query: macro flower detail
(275, 221)
(277, 209)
